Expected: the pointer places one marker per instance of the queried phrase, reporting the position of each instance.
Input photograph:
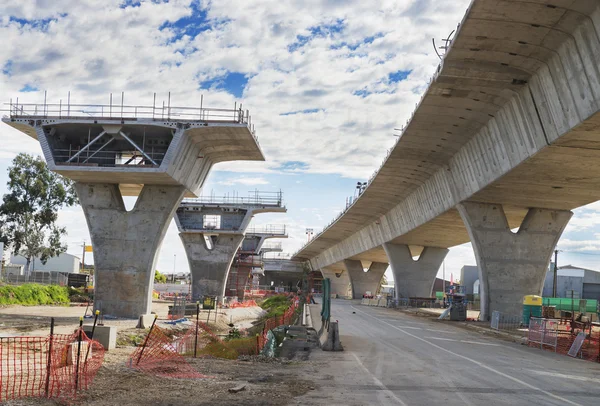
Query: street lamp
(361, 186)
(309, 233)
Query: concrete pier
(362, 281)
(212, 232)
(511, 265)
(414, 278)
(126, 243)
(140, 151)
(340, 281)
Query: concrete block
(105, 335)
(145, 321)
(330, 338)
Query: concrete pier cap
(158, 154)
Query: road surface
(394, 358)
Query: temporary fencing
(560, 337)
(57, 366)
(505, 322)
(160, 356)
(273, 322)
(246, 303)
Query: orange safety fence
(274, 322)
(246, 303)
(57, 366)
(160, 356)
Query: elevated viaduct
(506, 136)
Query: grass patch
(243, 345)
(275, 306)
(32, 294)
(216, 348)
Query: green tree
(29, 211)
(384, 281)
(159, 277)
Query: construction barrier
(160, 355)
(552, 334)
(58, 366)
(273, 322)
(246, 303)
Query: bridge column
(362, 281)
(511, 265)
(210, 265)
(340, 281)
(126, 244)
(414, 278)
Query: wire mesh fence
(505, 322)
(43, 278)
(566, 337)
(58, 366)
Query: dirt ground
(267, 381)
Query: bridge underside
(510, 120)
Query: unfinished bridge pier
(212, 231)
(141, 151)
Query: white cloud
(244, 181)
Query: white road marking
(378, 382)
(480, 364)
(565, 376)
(462, 341)
(441, 331)
(414, 328)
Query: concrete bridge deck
(510, 119)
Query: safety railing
(272, 247)
(126, 112)
(277, 256)
(276, 229)
(254, 198)
(122, 111)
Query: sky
(326, 83)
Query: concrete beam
(362, 281)
(126, 244)
(209, 266)
(340, 281)
(414, 278)
(511, 265)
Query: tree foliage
(159, 277)
(29, 211)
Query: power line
(580, 253)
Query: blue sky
(326, 83)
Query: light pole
(174, 260)
(361, 186)
(309, 233)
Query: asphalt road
(393, 358)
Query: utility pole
(83, 258)
(555, 273)
(444, 277)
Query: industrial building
(571, 281)
(65, 263)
